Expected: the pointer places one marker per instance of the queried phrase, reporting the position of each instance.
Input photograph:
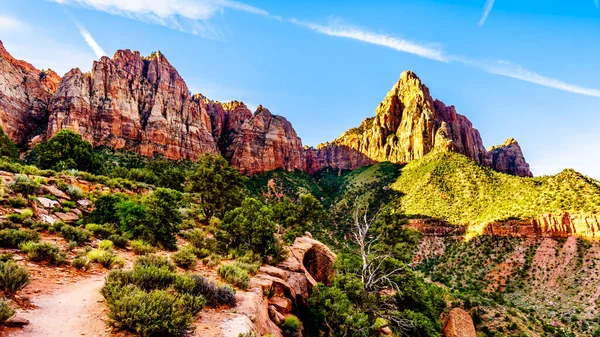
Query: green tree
(250, 227)
(219, 186)
(67, 150)
(7, 147)
(163, 216)
(105, 209)
(307, 214)
(169, 174)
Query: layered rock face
(509, 158)
(267, 142)
(459, 324)
(135, 104)
(25, 93)
(141, 104)
(409, 124)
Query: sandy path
(74, 309)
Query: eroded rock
(459, 324)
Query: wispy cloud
(336, 29)
(190, 16)
(89, 39)
(434, 52)
(489, 4)
(11, 24)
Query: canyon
(141, 104)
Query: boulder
(68, 217)
(56, 192)
(48, 219)
(48, 203)
(459, 324)
(16, 321)
(281, 304)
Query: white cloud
(336, 29)
(9, 24)
(89, 39)
(489, 4)
(189, 16)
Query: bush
(74, 192)
(17, 202)
(142, 248)
(100, 231)
(7, 147)
(250, 227)
(118, 240)
(24, 185)
(81, 262)
(198, 285)
(44, 252)
(291, 326)
(12, 277)
(185, 258)
(163, 216)
(106, 258)
(234, 275)
(13, 238)
(105, 210)
(67, 150)
(154, 313)
(105, 245)
(155, 261)
(75, 234)
(6, 311)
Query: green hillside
(453, 188)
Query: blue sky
(523, 69)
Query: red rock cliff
(133, 103)
(409, 124)
(25, 93)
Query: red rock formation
(267, 142)
(508, 158)
(459, 324)
(227, 120)
(25, 93)
(136, 104)
(409, 124)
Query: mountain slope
(452, 188)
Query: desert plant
(185, 257)
(24, 185)
(106, 258)
(13, 238)
(74, 192)
(234, 275)
(81, 262)
(100, 231)
(118, 240)
(198, 285)
(43, 252)
(291, 326)
(106, 245)
(142, 248)
(74, 234)
(6, 311)
(12, 277)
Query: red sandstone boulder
(459, 324)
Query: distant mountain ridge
(141, 104)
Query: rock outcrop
(409, 124)
(141, 104)
(509, 158)
(133, 103)
(459, 324)
(267, 142)
(276, 292)
(25, 93)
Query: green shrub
(71, 246)
(67, 150)
(26, 214)
(8, 149)
(201, 286)
(17, 202)
(291, 326)
(12, 277)
(185, 258)
(81, 262)
(118, 240)
(24, 185)
(100, 231)
(6, 311)
(154, 261)
(106, 258)
(14, 218)
(13, 238)
(75, 234)
(154, 313)
(142, 248)
(74, 192)
(44, 252)
(106, 245)
(69, 204)
(153, 277)
(234, 275)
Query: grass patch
(235, 275)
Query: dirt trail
(72, 310)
